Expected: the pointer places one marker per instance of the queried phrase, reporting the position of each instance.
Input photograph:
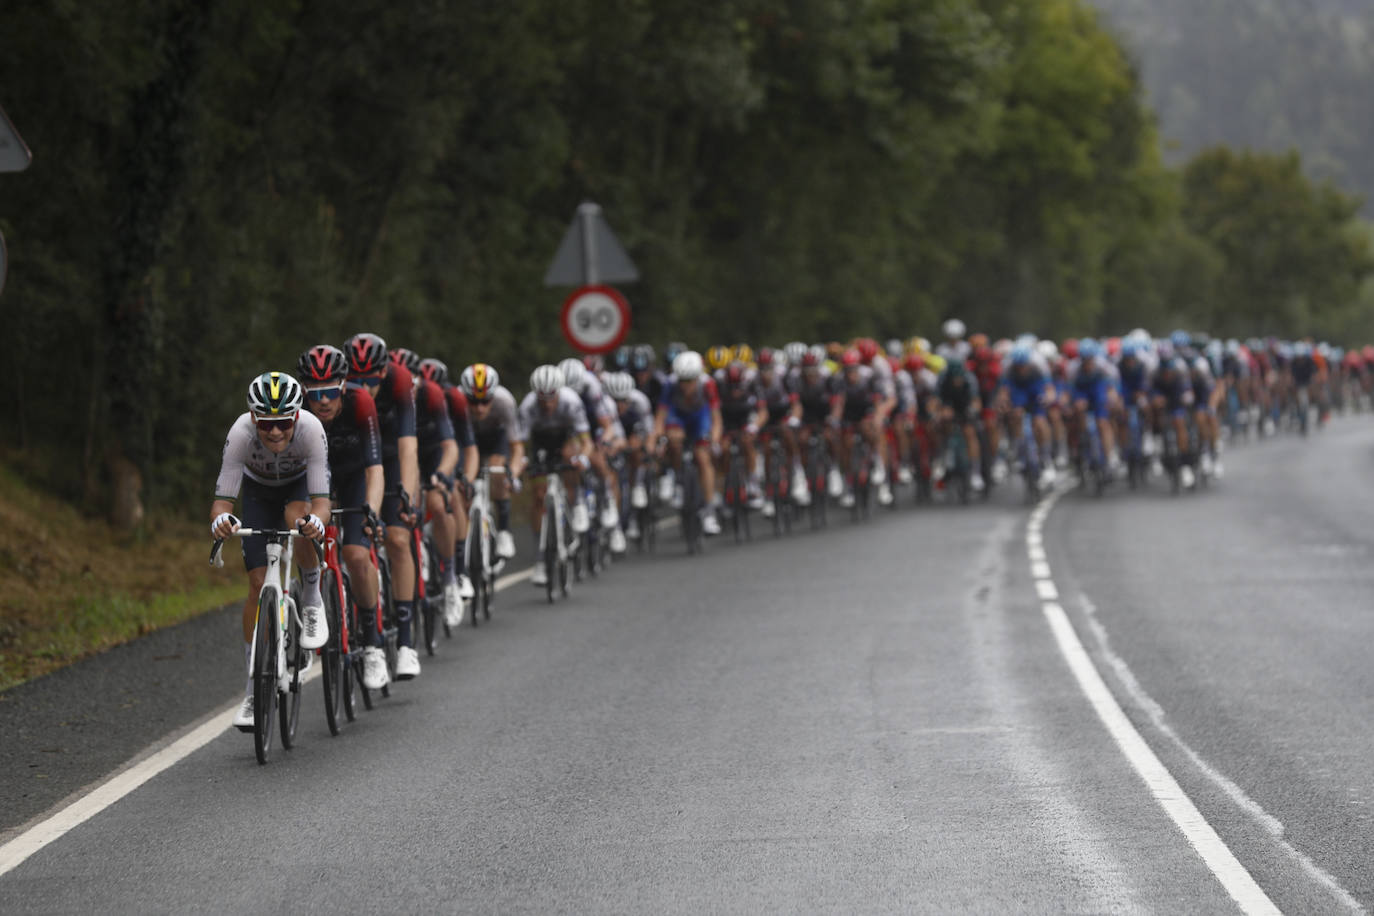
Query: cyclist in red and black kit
(438, 453)
(741, 415)
(784, 418)
(391, 387)
(350, 422)
(986, 366)
(469, 461)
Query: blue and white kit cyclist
(276, 464)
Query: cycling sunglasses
(267, 424)
(324, 394)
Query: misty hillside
(1267, 74)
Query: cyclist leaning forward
(454, 569)
(349, 416)
(855, 396)
(783, 419)
(370, 368)
(276, 463)
(437, 448)
(741, 414)
(496, 431)
(689, 412)
(553, 426)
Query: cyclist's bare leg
(706, 470)
(441, 521)
(975, 455)
(402, 567)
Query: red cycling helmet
(432, 370)
(1113, 347)
(366, 354)
(810, 360)
(734, 373)
(850, 358)
(867, 349)
(767, 358)
(321, 364)
(913, 363)
(1069, 349)
(407, 359)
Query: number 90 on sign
(596, 319)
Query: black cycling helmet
(322, 363)
(366, 354)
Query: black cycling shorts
(263, 506)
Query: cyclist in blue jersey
(1027, 388)
(688, 415)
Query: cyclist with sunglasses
(553, 422)
(349, 416)
(469, 462)
(390, 385)
(276, 464)
(496, 430)
(438, 450)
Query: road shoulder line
(1233, 876)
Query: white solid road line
(129, 778)
(1238, 882)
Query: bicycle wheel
(264, 674)
(472, 557)
(331, 676)
(551, 565)
(390, 633)
(425, 609)
(289, 700)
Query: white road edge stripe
(1224, 865)
(127, 779)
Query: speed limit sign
(596, 319)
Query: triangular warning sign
(14, 155)
(590, 253)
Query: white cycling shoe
(610, 518)
(884, 494)
(505, 545)
(768, 510)
(375, 676)
(1187, 477)
(243, 719)
(465, 590)
(665, 488)
(407, 663)
(847, 500)
(617, 541)
(580, 521)
(314, 627)
(976, 482)
(835, 483)
(632, 528)
(710, 525)
(639, 497)
(453, 605)
(538, 578)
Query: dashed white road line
(1223, 864)
(131, 776)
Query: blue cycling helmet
(1021, 355)
(671, 352)
(1089, 348)
(621, 359)
(1130, 347)
(1181, 339)
(642, 359)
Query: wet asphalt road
(873, 718)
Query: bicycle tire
(330, 675)
(390, 627)
(551, 564)
(264, 675)
(289, 701)
(475, 562)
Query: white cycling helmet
(1048, 349)
(574, 373)
(794, 352)
(546, 379)
(275, 394)
(619, 385)
(954, 329)
(479, 382)
(687, 366)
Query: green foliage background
(218, 185)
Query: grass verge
(70, 586)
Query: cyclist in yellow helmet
(745, 354)
(718, 357)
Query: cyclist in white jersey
(553, 427)
(276, 462)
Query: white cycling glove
(312, 527)
(222, 519)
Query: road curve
(874, 718)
